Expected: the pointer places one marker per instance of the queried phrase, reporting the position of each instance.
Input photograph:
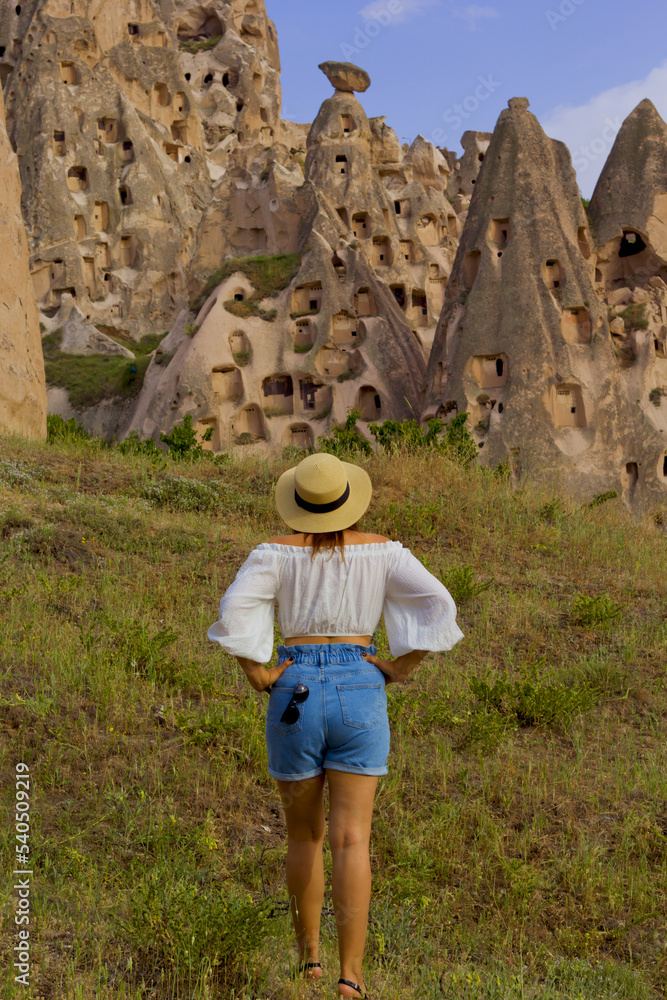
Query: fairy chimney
(523, 344)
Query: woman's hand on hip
(386, 666)
(398, 669)
(260, 677)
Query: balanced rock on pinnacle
(346, 76)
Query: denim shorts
(343, 723)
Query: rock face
(523, 343)
(346, 77)
(375, 235)
(629, 221)
(22, 386)
(111, 149)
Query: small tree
(183, 440)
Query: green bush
(532, 701)
(460, 582)
(634, 317)
(58, 429)
(180, 493)
(134, 445)
(598, 610)
(191, 929)
(345, 441)
(183, 441)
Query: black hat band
(321, 508)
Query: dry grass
(511, 860)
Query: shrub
(184, 442)
(134, 445)
(601, 498)
(16, 472)
(634, 316)
(598, 610)
(533, 701)
(345, 441)
(391, 434)
(460, 582)
(192, 930)
(58, 429)
(180, 493)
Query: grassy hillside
(519, 840)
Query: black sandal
(307, 965)
(355, 986)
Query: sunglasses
(291, 713)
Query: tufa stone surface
(523, 345)
(22, 386)
(346, 76)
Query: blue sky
(439, 67)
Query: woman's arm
(398, 669)
(261, 678)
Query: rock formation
(299, 270)
(22, 386)
(524, 344)
(376, 237)
(629, 221)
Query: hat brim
(361, 490)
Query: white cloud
(474, 13)
(394, 11)
(589, 129)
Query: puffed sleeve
(419, 612)
(245, 625)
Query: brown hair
(329, 540)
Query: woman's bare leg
(351, 809)
(303, 802)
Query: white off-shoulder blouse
(327, 596)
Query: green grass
(268, 275)
(634, 316)
(519, 840)
(203, 46)
(90, 379)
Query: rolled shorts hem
(372, 772)
(296, 777)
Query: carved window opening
(552, 274)
(69, 74)
(576, 325)
(77, 178)
(361, 225)
(370, 403)
(631, 244)
(500, 231)
(341, 164)
(347, 123)
(490, 370)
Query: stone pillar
(22, 382)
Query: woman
(327, 712)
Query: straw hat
(322, 493)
